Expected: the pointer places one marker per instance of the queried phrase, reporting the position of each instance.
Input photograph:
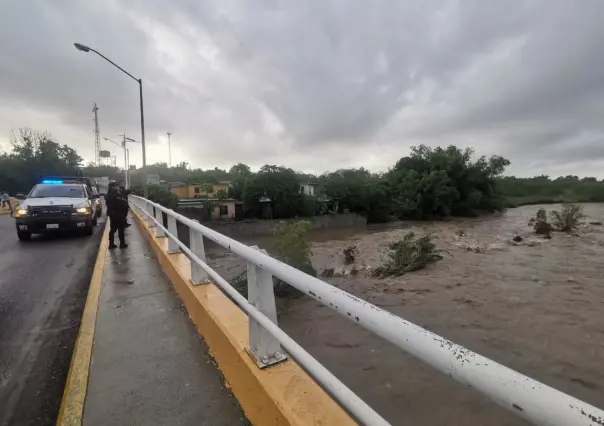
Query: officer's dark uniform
(117, 209)
(125, 192)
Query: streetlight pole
(126, 157)
(84, 48)
(127, 160)
(169, 151)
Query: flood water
(537, 308)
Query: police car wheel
(24, 235)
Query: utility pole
(124, 146)
(169, 151)
(97, 137)
(125, 140)
(125, 162)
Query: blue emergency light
(52, 182)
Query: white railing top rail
(528, 398)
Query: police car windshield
(64, 191)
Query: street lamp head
(82, 47)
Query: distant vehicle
(98, 206)
(103, 184)
(56, 205)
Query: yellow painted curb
(282, 394)
(74, 395)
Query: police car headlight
(21, 212)
(83, 210)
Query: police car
(56, 205)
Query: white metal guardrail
(528, 398)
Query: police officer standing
(117, 209)
(125, 192)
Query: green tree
(34, 155)
(292, 245)
(438, 182)
(239, 174)
(280, 186)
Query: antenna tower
(97, 137)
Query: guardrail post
(172, 229)
(198, 274)
(159, 232)
(149, 210)
(265, 349)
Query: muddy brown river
(536, 307)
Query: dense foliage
(33, 156)
(543, 190)
(429, 183)
(438, 182)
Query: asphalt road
(43, 288)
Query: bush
(408, 255)
(541, 225)
(292, 246)
(350, 253)
(569, 218)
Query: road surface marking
(74, 396)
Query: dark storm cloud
(314, 84)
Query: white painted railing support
(159, 232)
(528, 398)
(265, 349)
(172, 229)
(149, 209)
(198, 274)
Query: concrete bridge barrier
(283, 394)
(278, 382)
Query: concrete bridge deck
(148, 363)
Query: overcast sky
(314, 85)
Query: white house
(308, 188)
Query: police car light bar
(52, 182)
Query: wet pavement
(149, 365)
(43, 287)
